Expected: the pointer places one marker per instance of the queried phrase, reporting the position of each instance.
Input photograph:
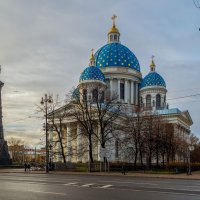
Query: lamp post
(45, 101)
(190, 148)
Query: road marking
(88, 185)
(145, 183)
(71, 183)
(55, 193)
(131, 182)
(106, 186)
(27, 182)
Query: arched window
(148, 101)
(84, 95)
(111, 37)
(95, 95)
(122, 91)
(141, 101)
(115, 37)
(158, 101)
(102, 97)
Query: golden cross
(113, 18)
(152, 57)
(92, 50)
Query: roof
(116, 55)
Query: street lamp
(45, 101)
(190, 148)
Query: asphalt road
(19, 186)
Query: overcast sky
(45, 45)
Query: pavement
(195, 175)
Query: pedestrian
(29, 167)
(52, 166)
(25, 167)
(123, 169)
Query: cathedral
(114, 67)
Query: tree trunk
(157, 158)
(90, 149)
(150, 155)
(141, 158)
(135, 159)
(163, 160)
(61, 144)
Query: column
(69, 133)
(136, 93)
(111, 87)
(118, 89)
(126, 91)
(79, 143)
(132, 92)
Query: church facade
(115, 68)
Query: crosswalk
(88, 185)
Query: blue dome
(92, 73)
(152, 79)
(116, 54)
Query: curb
(191, 177)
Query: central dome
(116, 55)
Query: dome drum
(122, 72)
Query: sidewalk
(194, 176)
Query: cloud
(45, 45)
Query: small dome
(113, 29)
(92, 73)
(76, 94)
(152, 79)
(116, 54)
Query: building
(116, 69)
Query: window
(148, 101)
(111, 37)
(84, 95)
(141, 100)
(95, 95)
(115, 37)
(102, 97)
(158, 101)
(121, 90)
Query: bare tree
(134, 137)
(56, 116)
(196, 3)
(16, 148)
(56, 125)
(97, 115)
(108, 113)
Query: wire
(23, 119)
(191, 89)
(192, 95)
